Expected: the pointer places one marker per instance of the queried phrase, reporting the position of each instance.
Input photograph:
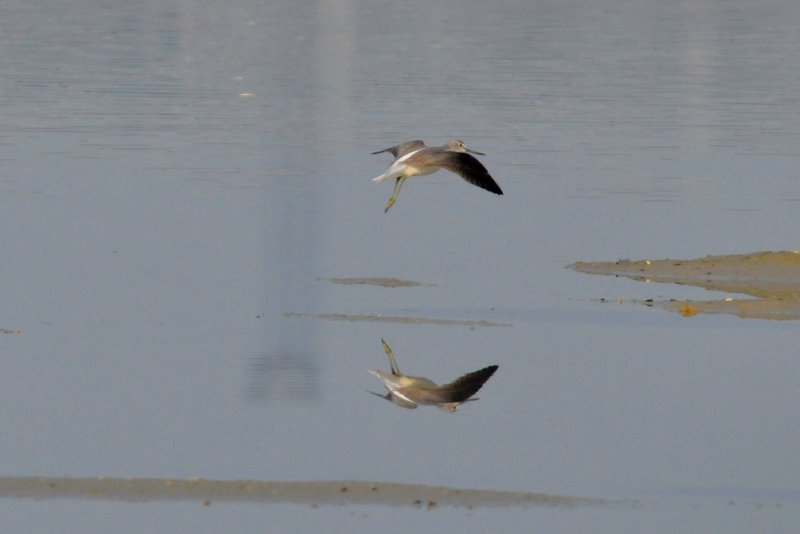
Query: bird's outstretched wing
(464, 165)
(403, 149)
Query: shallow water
(180, 183)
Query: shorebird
(413, 158)
(411, 391)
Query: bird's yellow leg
(392, 199)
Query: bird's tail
(391, 173)
(382, 177)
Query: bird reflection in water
(412, 391)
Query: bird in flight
(413, 158)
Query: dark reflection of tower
(288, 370)
(313, 108)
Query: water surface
(176, 181)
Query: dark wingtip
(491, 186)
(491, 369)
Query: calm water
(175, 177)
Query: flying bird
(413, 158)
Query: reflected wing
(464, 387)
(396, 400)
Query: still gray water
(182, 184)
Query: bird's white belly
(411, 170)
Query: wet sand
(313, 493)
(773, 278)
(362, 317)
(374, 281)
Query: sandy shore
(313, 493)
(772, 278)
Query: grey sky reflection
(283, 376)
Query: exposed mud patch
(363, 317)
(773, 278)
(374, 281)
(313, 493)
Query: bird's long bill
(475, 152)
